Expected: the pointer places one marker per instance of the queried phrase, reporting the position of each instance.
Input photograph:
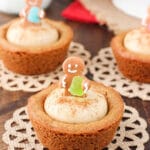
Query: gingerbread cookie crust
(35, 60)
(58, 135)
(133, 65)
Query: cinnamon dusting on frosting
(75, 101)
(73, 109)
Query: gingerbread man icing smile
(74, 82)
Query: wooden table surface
(10, 101)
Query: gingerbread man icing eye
(73, 65)
(76, 65)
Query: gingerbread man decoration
(146, 21)
(32, 13)
(74, 82)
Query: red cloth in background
(77, 12)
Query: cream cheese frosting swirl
(72, 109)
(33, 35)
(138, 41)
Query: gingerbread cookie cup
(57, 135)
(32, 60)
(133, 65)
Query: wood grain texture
(93, 37)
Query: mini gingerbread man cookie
(32, 13)
(146, 20)
(74, 82)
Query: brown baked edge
(28, 61)
(134, 66)
(90, 136)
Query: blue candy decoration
(33, 15)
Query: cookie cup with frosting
(132, 53)
(57, 134)
(34, 49)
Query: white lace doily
(14, 82)
(130, 134)
(104, 69)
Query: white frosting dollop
(32, 35)
(71, 109)
(138, 40)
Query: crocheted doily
(116, 20)
(14, 82)
(104, 69)
(131, 133)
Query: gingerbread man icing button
(74, 83)
(32, 13)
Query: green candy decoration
(76, 86)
